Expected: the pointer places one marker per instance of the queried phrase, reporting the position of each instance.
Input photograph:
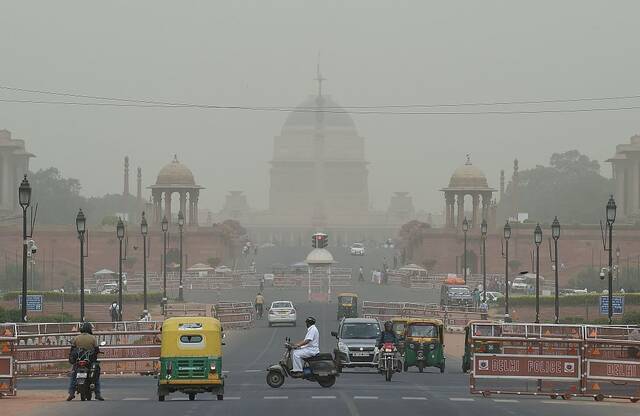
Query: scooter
(320, 368)
(387, 361)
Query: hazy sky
(264, 53)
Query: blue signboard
(34, 303)
(617, 302)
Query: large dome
(307, 115)
(468, 176)
(175, 173)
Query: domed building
(175, 178)
(467, 180)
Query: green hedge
(13, 315)
(629, 318)
(88, 298)
(570, 300)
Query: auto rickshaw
(191, 357)
(399, 325)
(347, 305)
(424, 344)
(479, 346)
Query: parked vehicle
(320, 368)
(356, 343)
(424, 344)
(347, 305)
(191, 357)
(282, 312)
(356, 249)
(456, 295)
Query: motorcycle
(87, 370)
(320, 368)
(387, 360)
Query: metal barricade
(186, 309)
(8, 338)
(235, 314)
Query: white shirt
(314, 339)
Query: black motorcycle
(87, 371)
(320, 368)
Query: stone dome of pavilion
(468, 176)
(175, 173)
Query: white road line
(180, 399)
(323, 397)
(276, 397)
(136, 399)
(414, 398)
(253, 371)
(232, 397)
(505, 400)
(365, 397)
(461, 399)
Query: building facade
(626, 174)
(14, 164)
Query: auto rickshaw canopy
(437, 332)
(191, 336)
(353, 298)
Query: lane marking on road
(253, 371)
(232, 397)
(136, 399)
(414, 398)
(323, 397)
(461, 399)
(275, 397)
(365, 397)
(506, 400)
(180, 399)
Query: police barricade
(187, 309)
(8, 339)
(341, 280)
(287, 281)
(130, 347)
(235, 314)
(455, 319)
(383, 311)
(612, 362)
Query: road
(249, 352)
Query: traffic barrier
(556, 360)
(235, 314)
(131, 347)
(187, 309)
(455, 319)
(8, 338)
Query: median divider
(455, 319)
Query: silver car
(356, 343)
(282, 312)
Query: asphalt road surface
(249, 352)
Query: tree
(571, 188)
(411, 236)
(58, 198)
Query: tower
(501, 184)
(139, 183)
(514, 189)
(125, 192)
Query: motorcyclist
(259, 304)
(308, 347)
(389, 336)
(360, 274)
(87, 342)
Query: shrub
(89, 298)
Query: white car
(282, 312)
(520, 284)
(223, 269)
(357, 249)
(493, 297)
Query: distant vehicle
(223, 269)
(356, 343)
(357, 249)
(109, 289)
(268, 279)
(494, 297)
(520, 284)
(414, 270)
(86, 291)
(282, 312)
(456, 295)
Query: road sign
(617, 302)
(34, 303)
(515, 366)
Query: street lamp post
(617, 267)
(465, 228)
(181, 226)
(165, 228)
(507, 236)
(144, 229)
(81, 226)
(120, 235)
(483, 233)
(24, 198)
(537, 239)
(611, 218)
(555, 234)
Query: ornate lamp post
(611, 218)
(165, 228)
(483, 233)
(537, 239)
(181, 226)
(144, 229)
(507, 236)
(465, 228)
(616, 267)
(81, 226)
(120, 235)
(24, 199)
(555, 234)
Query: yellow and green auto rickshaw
(479, 346)
(347, 305)
(399, 324)
(191, 357)
(424, 344)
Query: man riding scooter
(308, 347)
(87, 342)
(389, 336)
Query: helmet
(388, 326)
(310, 321)
(86, 328)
